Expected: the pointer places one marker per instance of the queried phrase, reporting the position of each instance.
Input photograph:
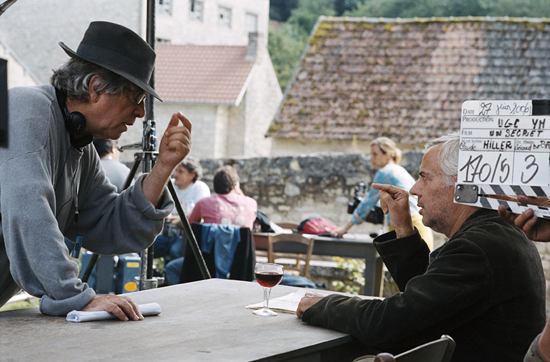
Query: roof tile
(201, 74)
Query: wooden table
(359, 246)
(200, 321)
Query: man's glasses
(140, 98)
(136, 96)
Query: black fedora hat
(118, 49)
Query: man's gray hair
(73, 78)
(448, 155)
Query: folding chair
(440, 350)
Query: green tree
(287, 42)
(429, 8)
(285, 47)
(341, 6)
(280, 10)
(305, 16)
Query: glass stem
(267, 292)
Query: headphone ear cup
(75, 122)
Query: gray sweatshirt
(38, 184)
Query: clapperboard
(504, 150)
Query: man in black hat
(52, 186)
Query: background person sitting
(228, 206)
(385, 157)
(189, 190)
(116, 171)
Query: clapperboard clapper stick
(504, 150)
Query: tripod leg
(132, 173)
(89, 268)
(191, 240)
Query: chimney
(252, 48)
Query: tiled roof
(406, 79)
(201, 74)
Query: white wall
(206, 138)
(179, 28)
(262, 101)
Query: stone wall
(294, 188)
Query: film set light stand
(147, 158)
(504, 151)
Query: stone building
(213, 66)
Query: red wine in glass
(268, 275)
(269, 279)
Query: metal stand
(148, 158)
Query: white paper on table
(285, 304)
(80, 316)
(289, 303)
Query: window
(196, 10)
(251, 23)
(164, 6)
(224, 17)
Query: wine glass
(268, 275)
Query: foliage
(287, 42)
(305, 16)
(440, 8)
(280, 10)
(355, 267)
(285, 47)
(341, 6)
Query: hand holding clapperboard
(504, 150)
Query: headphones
(75, 122)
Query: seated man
(228, 206)
(189, 190)
(116, 171)
(484, 287)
